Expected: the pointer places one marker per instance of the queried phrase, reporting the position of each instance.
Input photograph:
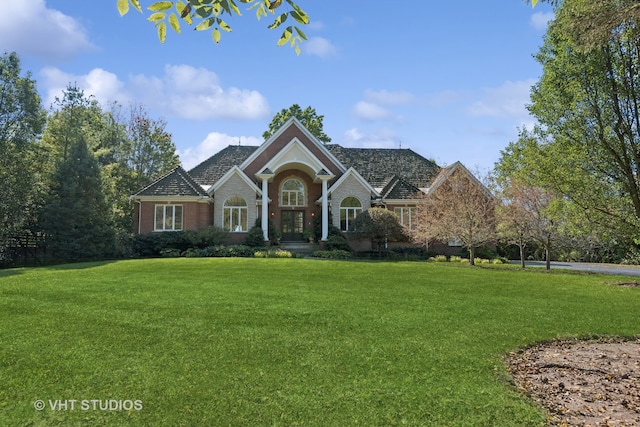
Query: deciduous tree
(459, 207)
(380, 226)
(587, 103)
(22, 120)
(308, 117)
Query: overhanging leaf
(216, 35)
(174, 22)
(156, 17)
(278, 21)
(162, 31)
(533, 3)
(205, 25)
(204, 11)
(160, 6)
(224, 25)
(123, 7)
(302, 35)
(286, 36)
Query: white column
(325, 211)
(265, 209)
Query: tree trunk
(522, 256)
(547, 254)
(472, 256)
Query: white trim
(169, 199)
(279, 132)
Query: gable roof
(379, 166)
(175, 183)
(214, 168)
(292, 129)
(447, 171)
(397, 188)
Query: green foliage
(308, 117)
(273, 253)
(226, 251)
(379, 226)
(440, 258)
(255, 237)
(22, 120)
(332, 254)
(152, 244)
(210, 15)
(337, 242)
(76, 216)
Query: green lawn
(261, 342)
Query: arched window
(350, 207)
(292, 193)
(235, 214)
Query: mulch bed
(582, 383)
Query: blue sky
(450, 80)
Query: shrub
(255, 237)
(333, 254)
(273, 253)
(152, 244)
(440, 258)
(337, 242)
(170, 253)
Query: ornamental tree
(380, 226)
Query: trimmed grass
(284, 342)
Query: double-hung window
(168, 218)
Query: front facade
(293, 180)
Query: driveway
(624, 270)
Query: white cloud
(319, 46)
(540, 20)
(30, 28)
(103, 85)
(380, 138)
(213, 143)
(388, 98)
(377, 102)
(370, 111)
(183, 91)
(195, 93)
(506, 101)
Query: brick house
(290, 179)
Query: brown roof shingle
(379, 165)
(175, 183)
(212, 169)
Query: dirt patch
(582, 383)
(626, 284)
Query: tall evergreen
(77, 217)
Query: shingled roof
(398, 188)
(212, 169)
(175, 183)
(380, 165)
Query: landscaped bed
(205, 341)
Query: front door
(292, 225)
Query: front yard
(209, 341)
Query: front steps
(300, 248)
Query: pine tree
(76, 217)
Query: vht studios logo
(88, 405)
